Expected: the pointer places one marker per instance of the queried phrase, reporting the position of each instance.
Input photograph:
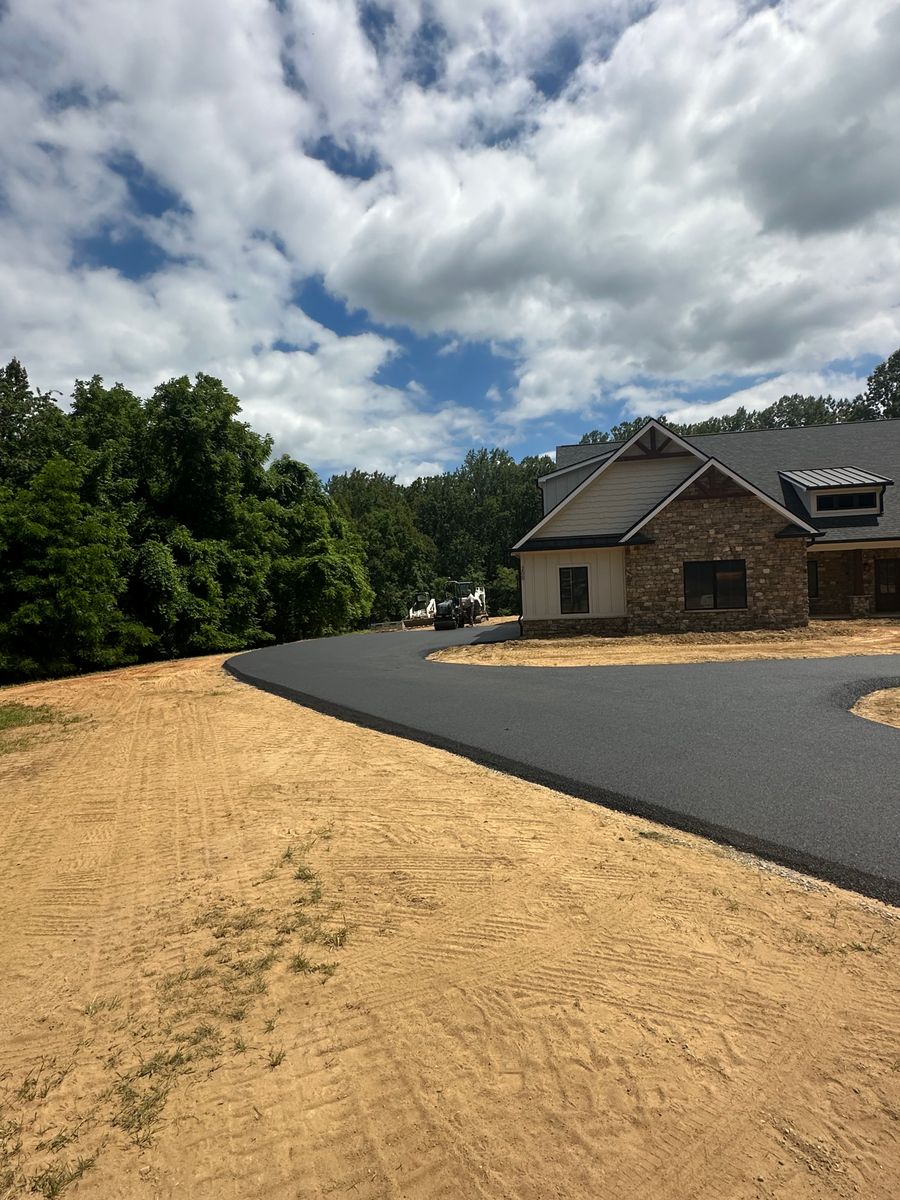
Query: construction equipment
(422, 611)
(464, 604)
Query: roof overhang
(593, 461)
(604, 464)
(586, 542)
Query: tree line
(133, 529)
(880, 401)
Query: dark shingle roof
(764, 456)
(568, 456)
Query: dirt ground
(820, 639)
(883, 706)
(253, 952)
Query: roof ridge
(730, 432)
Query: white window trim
(846, 491)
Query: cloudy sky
(400, 229)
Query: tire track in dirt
(535, 998)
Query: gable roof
(602, 465)
(763, 457)
(802, 526)
(595, 459)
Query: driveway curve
(762, 755)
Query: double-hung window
(721, 583)
(573, 590)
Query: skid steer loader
(464, 604)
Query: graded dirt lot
(883, 706)
(252, 951)
(820, 639)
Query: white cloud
(712, 191)
(761, 395)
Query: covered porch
(854, 581)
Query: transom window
(720, 583)
(573, 590)
(846, 501)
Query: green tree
(883, 389)
(199, 460)
(111, 424)
(318, 580)
(400, 560)
(33, 428)
(504, 598)
(61, 580)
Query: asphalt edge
(874, 886)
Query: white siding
(555, 489)
(540, 582)
(619, 497)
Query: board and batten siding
(624, 493)
(540, 582)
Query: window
(719, 584)
(573, 590)
(812, 577)
(846, 501)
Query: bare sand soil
(820, 639)
(883, 706)
(251, 951)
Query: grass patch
(228, 950)
(26, 716)
(101, 1004)
(17, 716)
(54, 1179)
(275, 1058)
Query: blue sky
(400, 229)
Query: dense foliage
(153, 528)
(137, 528)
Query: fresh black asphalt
(763, 755)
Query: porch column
(859, 601)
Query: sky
(404, 228)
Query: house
(724, 531)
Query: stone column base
(860, 606)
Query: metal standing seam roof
(834, 477)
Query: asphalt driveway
(762, 755)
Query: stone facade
(697, 526)
(575, 626)
(837, 596)
(835, 584)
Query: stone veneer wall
(835, 584)
(694, 527)
(836, 596)
(573, 626)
